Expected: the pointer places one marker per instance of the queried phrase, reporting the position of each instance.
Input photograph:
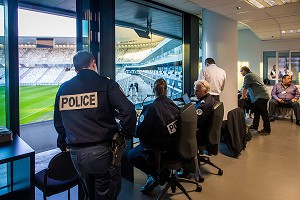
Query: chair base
(175, 182)
(206, 160)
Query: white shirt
(215, 76)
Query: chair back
(61, 167)
(187, 142)
(216, 116)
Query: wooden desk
(19, 159)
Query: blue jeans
(100, 180)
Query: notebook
(186, 98)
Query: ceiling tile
(210, 3)
(251, 15)
(289, 19)
(231, 8)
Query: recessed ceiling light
(291, 31)
(298, 30)
(283, 32)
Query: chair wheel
(220, 172)
(201, 180)
(199, 188)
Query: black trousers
(295, 105)
(100, 179)
(145, 161)
(260, 109)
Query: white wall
(220, 42)
(250, 49)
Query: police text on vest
(78, 101)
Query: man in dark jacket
(84, 120)
(156, 129)
(204, 107)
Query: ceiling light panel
(269, 3)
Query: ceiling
(267, 23)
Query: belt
(90, 144)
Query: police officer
(156, 130)
(204, 107)
(84, 119)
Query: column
(220, 42)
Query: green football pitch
(36, 103)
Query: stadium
(46, 63)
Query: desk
(20, 165)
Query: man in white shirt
(215, 76)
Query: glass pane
(269, 60)
(295, 67)
(46, 48)
(283, 64)
(148, 47)
(2, 70)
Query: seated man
(204, 107)
(156, 131)
(285, 93)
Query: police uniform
(156, 129)
(84, 119)
(203, 107)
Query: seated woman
(155, 132)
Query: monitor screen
(186, 98)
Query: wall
(249, 53)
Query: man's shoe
(272, 119)
(264, 132)
(298, 122)
(150, 184)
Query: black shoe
(272, 119)
(298, 122)
(182, 173)
(264, 132)
(150, 184)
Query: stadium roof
(128, 14)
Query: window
(148, 47)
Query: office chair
(186, 146)
(58, 177)
(213, 135)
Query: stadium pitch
(36, 103)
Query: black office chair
(213, 135)
(58, 177)
(186, 150)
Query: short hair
(287, 67)
(82, 59)
(245, 68)
(203, 83)
(160, 87)
(209, 61)
(284, 76)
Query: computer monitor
(186, 98)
